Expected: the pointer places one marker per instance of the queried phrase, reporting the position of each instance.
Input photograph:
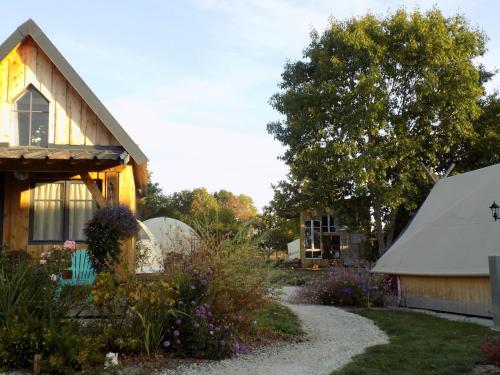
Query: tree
(372, 99)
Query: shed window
(31, 119)
(60, 211)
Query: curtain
(81, 209)
(48, 216)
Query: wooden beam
(94, 189)
(448, 171)
(431, 176)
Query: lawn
(296, 277)
(279, 319)
(419, 344)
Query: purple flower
(196, 272)
(217, 329)
(178, 322)
(176, 333)
(210, 271)
(193, 287)
(222, 342)
(226, 328)
(204, 282)
(193, 302)
(166, 344)
(210, 326)
(346, 290)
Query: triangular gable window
(31, 119)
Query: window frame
(30, 88)
(65, 210)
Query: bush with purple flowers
(347, 287)
(196, 331)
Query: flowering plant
(59, 258)
(491, 349)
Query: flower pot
(67, 274)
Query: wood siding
(465, 295)
(71, 121)
(17, 206)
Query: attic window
(31, 119)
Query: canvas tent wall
(442, 257)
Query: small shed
(441, 260)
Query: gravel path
(334, 336)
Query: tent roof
(453, 232)
(30, 28)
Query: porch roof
(80, 153)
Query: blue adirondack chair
(81, 269)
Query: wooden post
(36, 364)
(494, 266)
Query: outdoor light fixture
(495, 211)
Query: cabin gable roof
(31, 29)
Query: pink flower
(43, 261)
(70, 245)
(53, 278)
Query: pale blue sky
(190, 80)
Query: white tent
(294, 249)
(453, 232)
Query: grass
(278, 319)
(419, 344)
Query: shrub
(135, 312)
(347, 287)
(491, 349)
(197, 330)
(105, 231)
(33, 321)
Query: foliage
(231, 283)
(372, 99)
(198, 331)
(221, 213)
(135, 312)
(419, 344)
(107, 228)
(348, 287)
(491, 349)
(33, 320)
(278, 231)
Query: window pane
(39, 129)
(48, 221)
(23, 127)
(23, 103)
(81, 209)
(39, 103)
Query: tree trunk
(377, 214)
(391, 228)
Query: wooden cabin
(62, 154)
(325, 241)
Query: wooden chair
(81, 269)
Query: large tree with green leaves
(372, 99)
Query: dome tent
(161, 235)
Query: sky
(190, 80)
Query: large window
(312, 238)
(31, 119)
(59, 211)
